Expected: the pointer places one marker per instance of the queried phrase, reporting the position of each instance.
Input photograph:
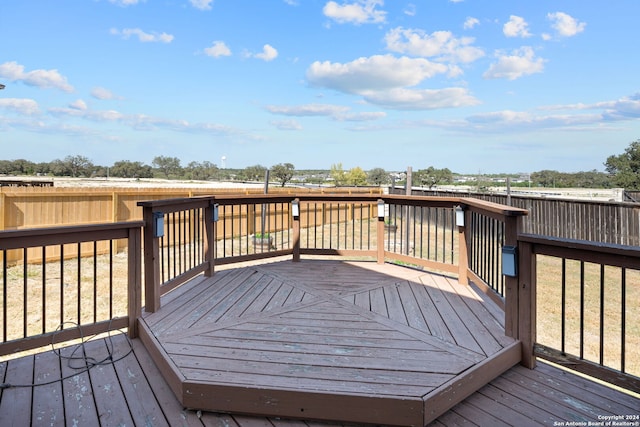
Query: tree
(378, 176)
(338, 174)
(201, 171)
(79, 165)
(128, 169)
(431, 177)
(356, 176)
(167, 165)
(254, 173)
(624, 168)
(283, 172)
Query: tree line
(622, 170)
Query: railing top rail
(589, 251)
(170, 205)
(32, 237)
(494, 207)
(180, 203)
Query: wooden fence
(596, 221)
(30, 207)
(37, 207)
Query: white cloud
(103, 94)
(269, 53)
(336, 112)
(379, 72)
(572, 118)
(516, 27)
(38, 78)
(357, 12)
(565, 25)
(291, 2)
(201, 4)
(78, 104)
(626, 108)
(520, 63)
(141, 122)
(387, 81)
(410, 10)
(287, 124)
(470, 22)
(218, 49)
(307, 110)
(441, 45)
(366, 116)
(18, 105)
(422, 99)
(125, 2)
(142, 36)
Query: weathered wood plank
(110, 401)
(394, 305)
(559, 383)
(134, 385)
(454, 324)
(79, 403)
(175, 414)
(15, 407)
(48, 408)
(435, 322)
(411, 306)
(460, 304)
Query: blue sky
(472, 85)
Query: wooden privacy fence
(597, 221)
(36, 207)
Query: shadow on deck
(328, 340)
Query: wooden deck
(328, 340)
(131, 392)
(334, 330)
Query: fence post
(151, 263)
(527, 302)
(134, 267)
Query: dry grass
(61, 289)
(549, 311)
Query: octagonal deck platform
(328, 340)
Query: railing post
(210, 226)
(463, 254)
(380, 232)
(295, 213)
(511, 225)
(527, 302)
(151, 263)
(134, 261)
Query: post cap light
(295, 209)
(459, 216)
(510, 261)
(381, 209)
(158, 224)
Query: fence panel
(606, 222)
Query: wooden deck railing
(183, 238)
(63, 285)
(591, 298)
